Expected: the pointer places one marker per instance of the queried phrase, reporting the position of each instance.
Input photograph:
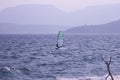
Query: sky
(65, 5)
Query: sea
(35, 57)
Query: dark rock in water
(5, 72)
(45, 77)
(25, 71)
(98, 71)
(14, 57)
(32, 58)
(91, 58)
(4, 57)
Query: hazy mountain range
(38, 19)
(112, 27)
(50, 15)
(9, 28)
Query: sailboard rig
(60, 40)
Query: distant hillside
(8, 28)
(112, 27)
(32, 14)
(50, 15)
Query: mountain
(112, 27)
(32, 14)
(50, 15)
(96, 14)
(9, 28)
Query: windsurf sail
(60, 40)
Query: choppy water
(34, 57)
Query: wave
(116, 77)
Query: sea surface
(34, 57)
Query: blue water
(34, 57)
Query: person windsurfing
(60, 40)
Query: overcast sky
(65, 5)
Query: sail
(60, 39)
